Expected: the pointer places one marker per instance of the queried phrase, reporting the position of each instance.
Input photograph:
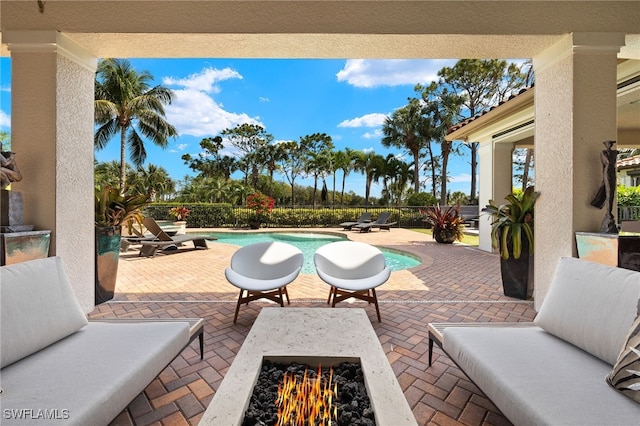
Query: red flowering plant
(447, 222)
(261, 204)
(180, 213)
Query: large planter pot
(517, 275)
(254, 224)
(182, 227)
(107, 254)
(444, 236)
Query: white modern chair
(352, 269)
(263, 270)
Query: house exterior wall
(575, 104)
(52, 132)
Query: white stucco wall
(52, 135)
(575, 104)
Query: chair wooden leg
(375, 301)
(280, 297)
(235, 317)
(331, 293)
(286, 293)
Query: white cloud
(376, 134)
(369, 120)
(204, 81)
(264, 99)
(369, 73)
(5, 120)
(195, 112)
(461, 178)
(181, 147)
(368, 150)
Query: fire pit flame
(307, 400)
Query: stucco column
(575, 111)
(495, 181)
(52, 86)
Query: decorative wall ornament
(607, 191)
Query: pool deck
(453, 283)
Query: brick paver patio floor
(453, 283)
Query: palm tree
(125, 104)
(395, 177)
(408, 128)
(342, 160)
(155, 181)
(372, 166)
(444, 108)
(107, 173)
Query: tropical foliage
(126, 105)
(512, 223)
(115, 209)
(180, 213)
(446, 221)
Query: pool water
(308, 243)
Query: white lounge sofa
(553, 372)
(59, 368)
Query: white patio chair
(263, 270)
(352, 269)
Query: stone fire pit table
(310, 333)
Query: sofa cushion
(37, 308)
(625, 376)
(89, 377)
(535, 378)
(591, 306)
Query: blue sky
(290, 98)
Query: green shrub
(628, 196)
(422, 199)
(202, 215)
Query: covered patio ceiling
(320, 28)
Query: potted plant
(180, 213)
(447, 223)
(512, 236)
(112, 211)
(261, 206)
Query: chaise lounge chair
(364, 218)
(163, 241)
(381, 223)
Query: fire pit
(301, 393)
(310, 336)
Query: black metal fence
(628, 213)
(224, 215)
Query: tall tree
(396, 175)
(444, 108)
(316, 146)
(271, 155)
(154, 181)
(293, 163)
(372, 166)
(210, 162)
(127, 105)
(248, 139)
(107, 173)
(408, 128)
(483, 83)
(343, 160)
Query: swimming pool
(309, 242)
